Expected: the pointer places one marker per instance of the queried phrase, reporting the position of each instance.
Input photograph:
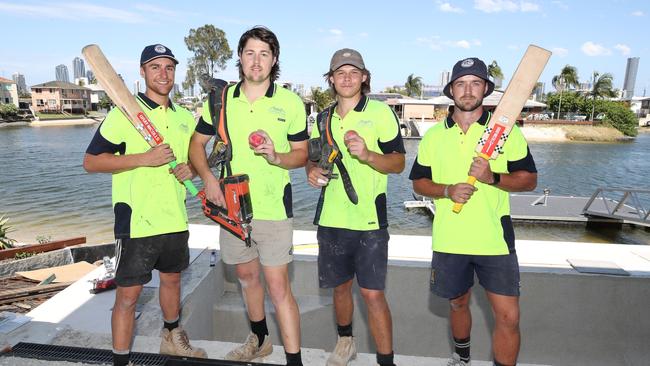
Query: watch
(497, 178)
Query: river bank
(566, 133)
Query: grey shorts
(272, 243)
(137, 257)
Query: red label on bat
(493, 139)
(150, 128)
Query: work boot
(250, 350)
(456, 361)
(344, 351)
(175, 342)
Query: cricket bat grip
(459, 206)
(188, 183)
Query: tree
(211, 52)
(81, 82)
(321, 98)
(619, 116)
(602, 88)
(568, 77)
(494, 71)
(8, 111)
(413, 86)
(395, 89)
(105, 102)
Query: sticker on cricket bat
(521, 85)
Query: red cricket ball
(255, 139)
(350, 134)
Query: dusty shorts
(344, 253)
(137, 257)
(272, 243)
(452, 275)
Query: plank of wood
(32, 290)
(39, 248)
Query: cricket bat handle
(459, 206)
(188, 183)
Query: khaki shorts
(272, 243)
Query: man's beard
(469, 108)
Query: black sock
(344, 330)
(462, 348)
(260, 330)
(385, 360)
(293, 359)
(170, 325)
(497, 363)
(121, 359)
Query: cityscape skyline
(420, 38)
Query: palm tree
(602, 88)
(568, 77)
(413, 86)
(494, 71)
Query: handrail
(629, 199)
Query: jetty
(606, 205)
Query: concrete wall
(566, 319)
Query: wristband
(445, 192)
(497, 178)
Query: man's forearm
(386, 163)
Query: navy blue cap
(469, 66)
(155, 51)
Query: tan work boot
(176, 343)
(344, 351)
(249, 350)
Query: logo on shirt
(279, 113)
(365, 123)
(184, 127)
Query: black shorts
(452, 275)
(136, 258)
(342, 253)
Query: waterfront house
(59, 97)
(8, 92)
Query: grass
(55, 116)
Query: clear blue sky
(396, 38)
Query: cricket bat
(125, 101)
(512, 102)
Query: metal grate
(79, 354)
(102, 356)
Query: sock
(385, 360)
(121, 358)
(344, 330)
(293, 359)
(497, 363)
(260, 330)
(462, 348)
(170, 325)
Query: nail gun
(236, 217)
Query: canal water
(46, 193)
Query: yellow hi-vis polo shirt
(147, 201)
(281, 113)
(376, 123)
(483, 227)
